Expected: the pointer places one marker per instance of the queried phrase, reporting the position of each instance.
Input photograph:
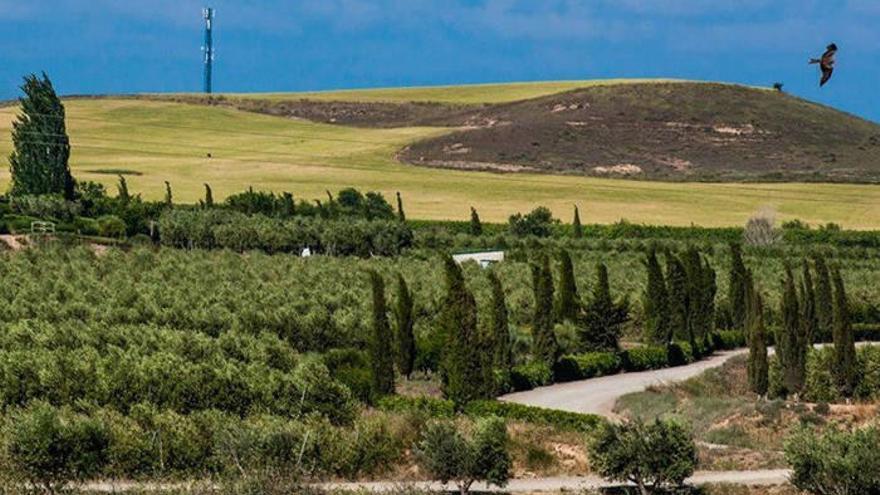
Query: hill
(154, 141)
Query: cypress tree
(788, 339)
(758, 367)
(604, 318)
(696, 313)
(123, 195)
(824, 302)
(844, 341)
(288, 206)
(809, 320)
(168, 199)
(503, 347)
(577, 228)
(736, 295)
(41, 148)
(400, 214)
(209, 197)
(476, 227)
(544, 345)
(655, 301)
(677, 290)
(462, 367)
(567, 300)
(381, 345)
(406, 342)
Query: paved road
(598, 395)
(750, 478)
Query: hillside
(151, 142)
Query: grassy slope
(273, 153)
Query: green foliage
(677, 290)
(564, 420)
(758, 368)
(406, 341)
(431, 407)
(845, 371)
(545, 348)
(51, 448)
(576, 227)
(835, 462)
(531, 375)
(605, 317)
(588, 365)
(568, 304)
(169, 198)
(539, 223)
(502, 345)
(824, 301)
(736, 295)
(449, 453)
(655, 302)
(39, 161)
(209, 197)
(400, 213)
(46, 207)
(791, 343)
(475, 228)
(122, 193)
(111, 226)
(653, 456)
(645, 358)
(382, 341)
(809, 318)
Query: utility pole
(208, 14)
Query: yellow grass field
(166, 141)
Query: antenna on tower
(208, 14)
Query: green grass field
(166, 141)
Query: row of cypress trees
(679, 304)
(388, 349)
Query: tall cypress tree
(169, 201)
(758, 367)
(400, 214)
(503, 352)
(844, 341)
(123, 195)
(789, 344)
(475, 227)
(381, 344)
(604, 319)
(462, 364)
(677, 290)
(577, 228)
(41, 147)
(809, 320)
(696, 298)
(545, 348)
(824, 301)
(406, 341)
(655, 301)
(209, 197)
(736, 295)
(567, 299)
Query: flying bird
(826, 63)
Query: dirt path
(598, 395)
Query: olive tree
(835, 462)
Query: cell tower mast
(208, 14)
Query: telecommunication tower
(208, 14)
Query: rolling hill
(334, 144)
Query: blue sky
(119, 46)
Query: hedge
(590, 365)
(531, 375)
(645, 358)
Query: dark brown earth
(661, 131)
(666, 131)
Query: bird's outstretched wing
(826, 74)
(827, 63)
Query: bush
(531, 375)
(645, 358)
(679, 353)
(51, 448)
(46, 207)
(656, 455)
(726, 340)
(539, 223)
(560, 419)
(434, 408)
(111, 226)
(835, 462)
(86, 226)
(587, 365)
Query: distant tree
(736, 295)
(376, 207)
(654, 457)
(41, 148)
(790, 344)
(503, 352)
(845, 372)
(568, 302)
(400, 214)
(677, 290)
(545, 348)
(824, 301)
(700, 307)
(462, 367)
(834, 461)
(655, 301)
(447, 454)
(577, 228)
(406, 342)
(476, 227)
(381, 344)
(538, 222)
(809, 320)
(758, 367)
(169, 202)
(288, 205)
(604, 317)
(209, 197)
(122, 187)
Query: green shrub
(679, 353)
(645, 358)
(111, 226)
(835, 462)
(86, 226)
(560, 419)
(726, 340)
(531, 375)
(434, 408)
(587, 365)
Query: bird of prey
(826, 63)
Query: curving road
(598, 395)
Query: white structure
(485, 259)
(306, 253)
